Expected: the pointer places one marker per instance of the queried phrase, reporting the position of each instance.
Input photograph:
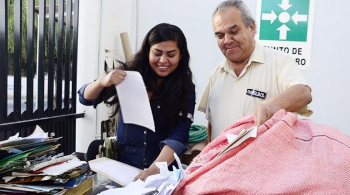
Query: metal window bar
(17, 61)
(51, 65)
(3, 60)
(67, 59)
(53, 119)
(60, 55)
(30, 59)
(41, 57)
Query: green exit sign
(284, 20)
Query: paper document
(128, 191)
(163, 183)
(134, 101)
(59, 169)
(236, 140)
(37, 136)
(117, 171)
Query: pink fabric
(289, 156)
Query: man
(252, 79)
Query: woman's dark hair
(176, 88)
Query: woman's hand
(166, 155)
(147, 172)
(112, 78)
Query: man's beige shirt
(268, 73)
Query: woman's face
(164, 57)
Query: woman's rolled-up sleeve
(86, 102)
(179, 134)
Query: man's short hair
(241, 6)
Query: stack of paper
(161, 184)
(31, 165)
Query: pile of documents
(31, 165)
(161, 184)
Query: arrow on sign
(285, 5)
(299, 18)
(272, 17)
(283, 32)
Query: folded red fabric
(289, 156)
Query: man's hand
(112, 78)
(291, 100)
(147, 172)
(264, 113)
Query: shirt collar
(257, 57)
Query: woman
(163, 62)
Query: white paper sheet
(164, 182)
(38, 133)
(117, 171)
(251, 133)
(236, 140)
(37, 136)
(230, 137)
(157, 179)
(61, 168)
(183, 172)
(127, 191)
(134, 101)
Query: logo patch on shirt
(256, 93)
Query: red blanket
(289, 156)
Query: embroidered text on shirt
(256, 93)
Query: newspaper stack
(31, 165)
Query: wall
(329, 70)
(88, 57)
(100, 23)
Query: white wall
(100, 23)
(329, 70)
(88, 57)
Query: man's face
(235, 40)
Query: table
(99, 183)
